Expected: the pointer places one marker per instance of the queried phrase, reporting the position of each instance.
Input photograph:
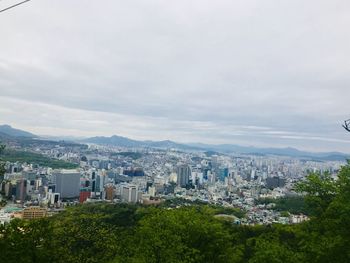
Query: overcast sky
(249, 72)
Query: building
(85, 189)
(67, 183)
(53, 198)
(5, 218)
(84, 195)
(223, 173)
(33, 212)
(134, 172)
(21, 190)
(152, 191)
(10, 189)
(100, 182)
(275, 181)
(109, 192)
(129, 193)
(183, 175)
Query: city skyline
(241, 72)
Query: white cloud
(215, 71)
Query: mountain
(288, 151)
(113, 140)
(170, 144)
(8, 133)
(126, 142)
(222, 148)
(8, 130)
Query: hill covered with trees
(10, 155)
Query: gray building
(183, 175)
(274, 182)
(67, 183)
(21, 190)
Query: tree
(320, 190)
(181, 235)
(327, 236)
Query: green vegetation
(180, 202)
(293, 205)
(229, 211)
(177, 202)
(36, 159)
(128, 233)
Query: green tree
(327, 236)
(320, 190)
(25, 241)
(182, 235)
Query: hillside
(35, 159)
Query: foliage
(183, 235)
(228, 211)
(293, 204)
(35, 158)
(321, 190)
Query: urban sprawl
(150, 176)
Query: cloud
(251, 72)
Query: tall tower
(183, 175)
(21, 190)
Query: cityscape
(187, 131)
(151, 175)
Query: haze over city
(262, 73)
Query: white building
(129, 193)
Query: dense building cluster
(150, 176)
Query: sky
(249, 72)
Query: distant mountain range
(222, 148)
(6, 132)
(288, 151)
(126, 142)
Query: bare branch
(346, 125)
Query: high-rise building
(109, 192)
(21, 190)
(67, 183)
(100, 182)
(129, 193)
(93, 182)
(85, 189)
(183, 175)
(223, 173)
